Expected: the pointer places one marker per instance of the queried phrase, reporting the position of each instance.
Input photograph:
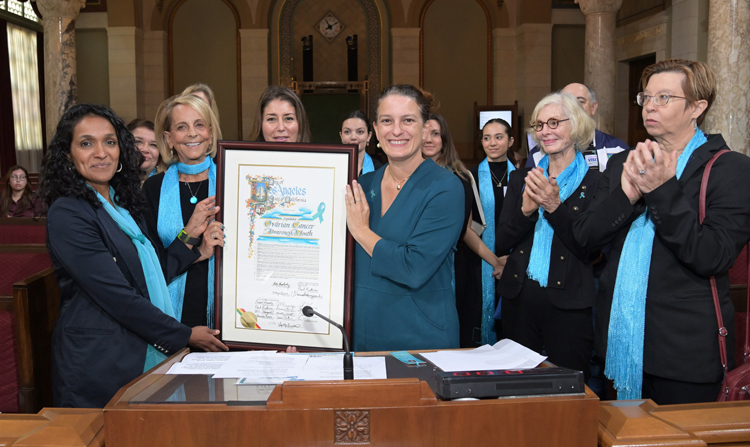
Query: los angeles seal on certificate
(286, 246)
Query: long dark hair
(448, 156)
(59, 177)
(508, 133)
(7, 195)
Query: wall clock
(330, 26)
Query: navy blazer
(106, 318)
(571, 280)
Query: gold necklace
(398, 184)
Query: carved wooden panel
(351, 427)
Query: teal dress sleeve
(403, 294)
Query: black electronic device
(508, 383)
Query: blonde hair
(164, 122)
(200, 87)
(582, 126)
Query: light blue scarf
(155, 283)
(170, 223)
(628, 315)
(541, 250)
(153, 173)
(367, 165)
(487, 197)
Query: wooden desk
(643, 423)
(390, 412)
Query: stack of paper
(270, 367)
(505, 354)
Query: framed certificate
(287, 246)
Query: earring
(695, 125)
(120, 168)
(378, 145)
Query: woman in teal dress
(406, 219)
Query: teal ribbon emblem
(319, 214)
(583, 194)
(372, 194)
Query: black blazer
(681, 330)
(571, 281)
(106, 318)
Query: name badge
(592, 160)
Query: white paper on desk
(207, 363)
(263, 368)
(604, 154)
(505, 354)
(331, 367)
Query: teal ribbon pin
(583, 194)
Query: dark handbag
(736, 384)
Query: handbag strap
(476, 198)
(722, 329)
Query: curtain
(24, 81)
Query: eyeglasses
(18, 177)
(660, 99)
(552, 123)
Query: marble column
(729, 58)
(59, 57)
(599, 56)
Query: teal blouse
(402, 294)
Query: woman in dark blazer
(656, 322)
(547, 286)
(115, 317)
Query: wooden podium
(159, 409)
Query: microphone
(348, 359)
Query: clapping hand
(648, 167)
(539, 191)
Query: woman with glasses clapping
(656, 322)
(547, 286)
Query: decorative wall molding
(646, 33)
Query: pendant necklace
(499, 182)
(398, 184)
(194, 199)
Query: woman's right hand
(205, 339)
(213, 237)
(203, 213)
(529, 206)
(628, 185)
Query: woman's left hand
(212, 237)
(650, 167)
(357, 209)
(544, 192)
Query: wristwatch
(186, 238)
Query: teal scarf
(541, 250)
(628, 315)
(170, 223)
(157, 286)
(367, 165)
(487, 197)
